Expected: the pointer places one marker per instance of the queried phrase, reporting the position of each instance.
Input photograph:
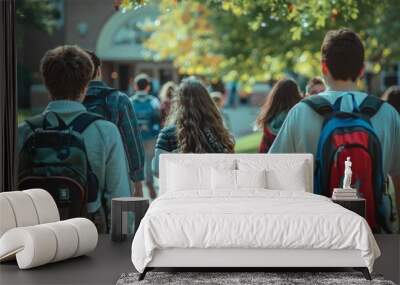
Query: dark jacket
(120, 111)
(270, 131)
(167, 142)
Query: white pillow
(293, 179)
(183, 178)
(223, 179)
(251, 178)
(186, 175)
(280, 175)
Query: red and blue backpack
(351, 134)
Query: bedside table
(119, 215)
(356, 205)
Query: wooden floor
(110, 260)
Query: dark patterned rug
(243, 278)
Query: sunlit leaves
(252, 40)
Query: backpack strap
(370, 106)
(35, 122)
(319, 104)
(80, 123)
(41, 122)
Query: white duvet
(250, 219)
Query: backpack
(346, 134)
(102, 103)
(146, 115)
(55, 159)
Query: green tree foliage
(250, 40)
(38, 13)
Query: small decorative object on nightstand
(357, 205)
(348, 197)
(119, 215)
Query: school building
(116, 37)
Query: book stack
(344, 194)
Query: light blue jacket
(104, 148)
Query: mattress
(250, 219)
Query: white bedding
(252, 218)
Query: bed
(246, 211)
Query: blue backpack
(351, 134)
(148, 116)
(104, 104)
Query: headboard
(268, 159)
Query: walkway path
(242, 119)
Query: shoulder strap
(370, 106)
(41, 122)
(318, 104)
(36, 122)
(80, 123)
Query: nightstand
(356, 205)
(119, 215)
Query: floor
(103, 266)
(110, 260)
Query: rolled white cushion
(40, 244)
(87, 235)
(46, 208)
(67, 240)
(7, 218)
(33, 246)
(23, 208)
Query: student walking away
(166, 96)
(194, 125)
(75, 155)
(116, 107)
(147, 108)
(315, 86)
(233, 94)
(283, 96)
(219, 101)
(392, 96)
(343, 122)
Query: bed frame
(240, 259)
(249, 259)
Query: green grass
(249, 143)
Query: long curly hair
(197, 119)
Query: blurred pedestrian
(116, 107)
(218, 99)
(147, 108)
(314, 86)
(166, 95)
(392, 96)
(283, 96)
